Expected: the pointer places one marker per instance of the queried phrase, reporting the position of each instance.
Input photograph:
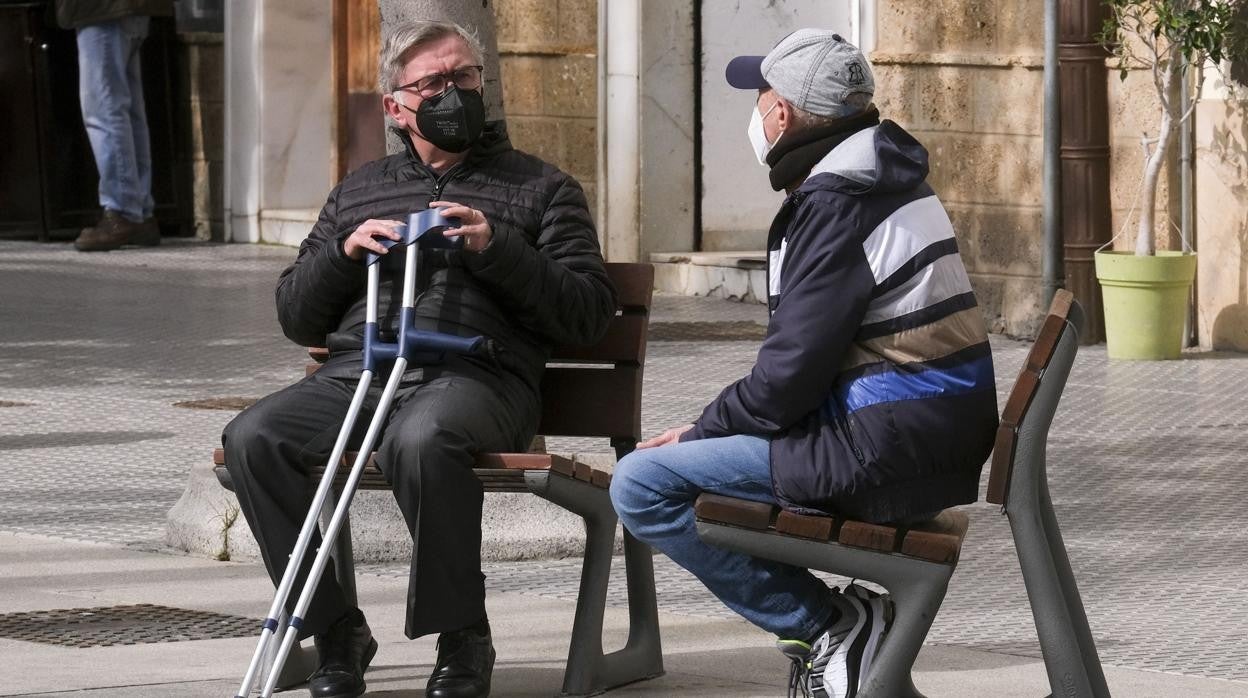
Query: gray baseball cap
(813, 69)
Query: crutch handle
(424, 228)
(422, 341)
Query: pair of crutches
(422, 230)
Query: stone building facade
(548, 56)
(965, 76)
(201, 64)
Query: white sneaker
(842, 654)
(880, 609)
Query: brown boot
(114, 230)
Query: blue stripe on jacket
(891, 386)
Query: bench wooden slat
(491, 467)
(1022, 394)
(633, 284)
(735, 512)
(600, 478)
(1002, 463)
(938, 540)
(813, 527)
(525, 461)
(373, 479)
(1046, 341)
(607, 401)
(1020, 397)
(581, 471)
(620, 343)
(860, 534)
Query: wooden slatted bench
(592, 391)
(915, 563)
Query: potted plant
(1146, 291)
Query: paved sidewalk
(1146, 462)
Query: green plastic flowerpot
(1145, 302)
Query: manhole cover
(122, 625)
(722, 331)
(218, 403)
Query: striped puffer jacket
(875, 380)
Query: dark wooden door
(48, 181)
(360, 126)
(21, 206)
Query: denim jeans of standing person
(654, 490)
(110, 89)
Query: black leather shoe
(345, 651)
(465, 662)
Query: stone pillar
(1085, 155)
(279, 114)
(202, 59)
(966, 80)
(548, 59)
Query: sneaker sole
(880, 616)
(844, 682)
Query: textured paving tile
(1146, 460)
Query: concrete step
(739, 276)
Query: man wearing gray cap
(872, 396)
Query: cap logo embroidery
(855, 74)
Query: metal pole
(1051, 263)
(1187, 225)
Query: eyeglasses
(466, 78)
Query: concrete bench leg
(343, 555)
(917, 589)
(300, 663)
(1070, 655)
(589, 670)
(915, 603)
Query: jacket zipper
(440, 183)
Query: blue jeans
(653, 491)
(110, 90)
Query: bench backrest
(1024, 429)
(596, 390)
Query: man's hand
(363, 239)
(670, 436)
(473, 226)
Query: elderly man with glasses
(530, 274)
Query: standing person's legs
(268, 449)
(431, 439)
(654, 490)
(136, 31)
(105, 52)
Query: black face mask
(453, 120)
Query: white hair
(855, 104)
(412, 35)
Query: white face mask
(758, 137)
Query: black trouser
(435, 426)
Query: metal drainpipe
(1186, 179)
(601, 131)
(1051, 263)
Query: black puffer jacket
(540, 281)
